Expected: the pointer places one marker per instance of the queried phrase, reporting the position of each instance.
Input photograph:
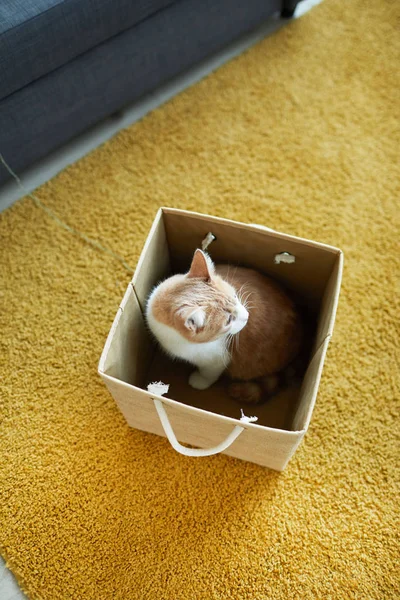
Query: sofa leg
(288, 8)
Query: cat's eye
(230, 319)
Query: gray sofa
(66, 64)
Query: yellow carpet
(301, 134)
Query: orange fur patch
(274, 332)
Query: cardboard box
(209, 419)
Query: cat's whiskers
(242, 290)
(237, 339)
(229, 271)
(249, 294)
(228, 350)
(234, 340)
(244, 300)
(248, 304)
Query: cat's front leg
(206, 376)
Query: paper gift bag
(209, 420)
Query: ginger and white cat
(226, 320)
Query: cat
(230, 320)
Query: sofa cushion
(38, 36)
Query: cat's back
(273, 334)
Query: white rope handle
(193, 451)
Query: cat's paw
(245, 391)
(198, 382)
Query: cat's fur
(226, 319)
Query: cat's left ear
(202, 266)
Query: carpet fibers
(300, 133)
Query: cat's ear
(194, 318)
(202, 266)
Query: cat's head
(200, 305)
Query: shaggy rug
(300, 133)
